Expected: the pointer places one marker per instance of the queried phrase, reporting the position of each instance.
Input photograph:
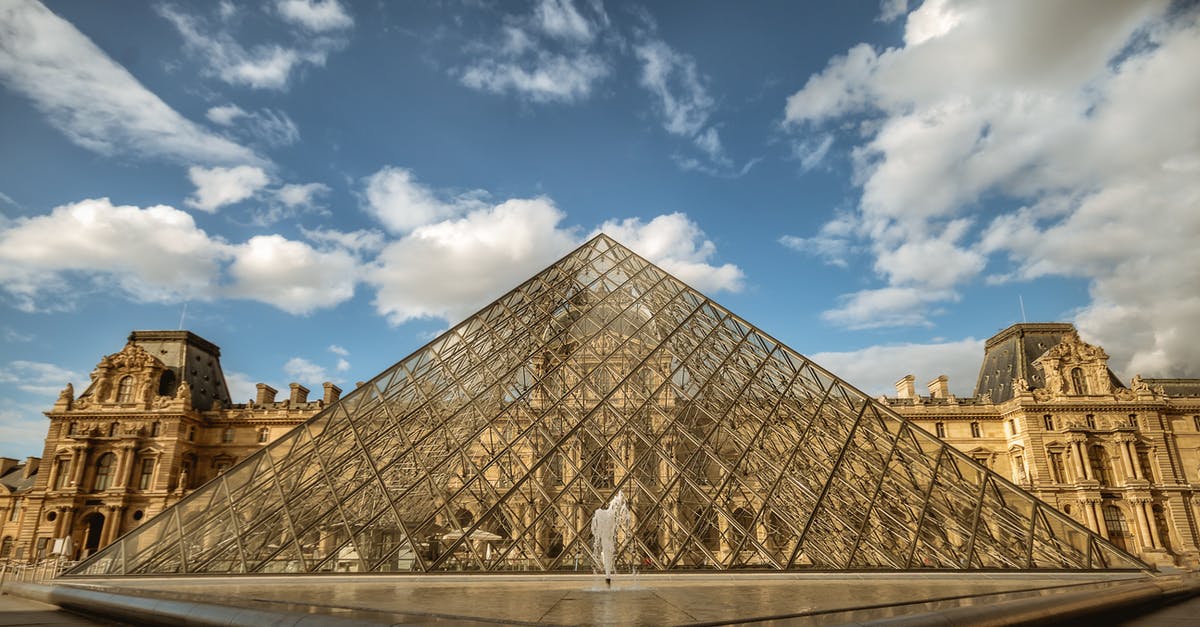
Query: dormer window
(1077, 381)
(166, 384)
(125, 389)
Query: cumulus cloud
(315, 15)
(304, 371)
(395, 198)
(269, 126)
(677, 244)
(875, 369)
(292, 275)
(296, 195)
(156, 254)
(551, 55)
(1045, 147)
(218, 187)
(94, 101)
(38, 377)
(338, 350)
(478, 256)
(262, 66)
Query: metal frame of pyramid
(489, 449)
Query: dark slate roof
(15, 479)
(1176, 387)
(190, 357)
(1010, 354)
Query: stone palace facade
(156, 421)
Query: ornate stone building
(155, 422)
(1048, 414)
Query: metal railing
(36, 572)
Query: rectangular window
(1057, 467)
(1048, 422)
(1090, 419)
(227, 436)
(1019, 462)
(41, 546)
(15, 512)
(975, 433)
(62, 471)
(940, 429)
(1144, 461)
(1133, 421)
(1196, 422)
(147, 474)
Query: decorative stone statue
(67, 394)
(1139, 385)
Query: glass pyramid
(490, 448)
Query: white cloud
(478, 255)
(94, 101)
(560, 18)
(305, 372)
(678, 245)
(358, 242)
(886, 307)
(672, 77)
(269, 126)
(22, 431)
(338, 350)
(342, 365)
(40, 378)
(1085, 123)
(241, 387)
(891, 9)
(264, 66)
(291, 275)
(218, 187)
(156, 254)
(400, 203)
(811, 153)
(832, 244)
(551, 55)
(315, 15)
(301, 195)
(875, 369)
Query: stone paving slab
(18, 611)
(657, 599)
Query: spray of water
(606, 523)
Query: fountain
(605, 524)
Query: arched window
(745, 525)
(464, 518)
(1118, 529)
(1077, 381)
(166, 383)
(263, 434)
(104, 471)
(6, 546)
(125, 389)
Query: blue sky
(324, 185)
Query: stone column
(1089, 511)
(1137, 467)
(1153, 524)
(1085, 468)
(1098, 513)
(124, 462)
(68, 518)
(110, 524)
(1141, 522)
(78, 463)
(1130, 473)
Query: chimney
(299, 394)
(7, 464)
(905, 387)
(939, 387)
(266, 394)
(332, 392)
(31, 466)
